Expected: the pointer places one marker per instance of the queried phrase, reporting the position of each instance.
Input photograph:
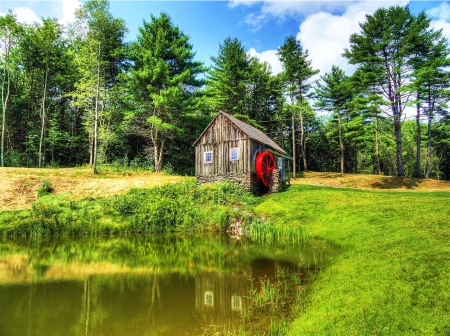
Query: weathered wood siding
(219, 138)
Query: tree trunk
(377, 145)
(393, 79)
(398, 145)
(159, 158)
(302, 138)
(41, 140)
(293, 138)
(418, 136)
(341, 142)
(428, 166)
(97, 94)
(4, 106)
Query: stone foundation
(248, 181)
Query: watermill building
(230, 149)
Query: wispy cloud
(441, 16)
(281, 10)
(68, 10)
(269, 56)
(326, 35)
(26, 15)
(63, 10)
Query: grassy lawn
(393, 274)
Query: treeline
(79, 94)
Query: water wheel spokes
(264, 165)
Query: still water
(141, 285)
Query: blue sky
(323, 27)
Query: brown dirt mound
(18, 187)
(370, 182)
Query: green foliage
(152, 103)
(174, 207)
(163, 81)
(182, 206)
(45, 188)
(227, 79)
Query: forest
(79, 94)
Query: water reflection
(160, 285)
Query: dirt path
(18, 187)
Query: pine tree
(297, 71)
(333, 94)
(163, 80)
(385, 48)
(228, 78)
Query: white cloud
(441, 24)
(26, 15)
(280, 10)
(68, 10)
(63, 10)
(442, 12)
(441, 16)
(269, 56)
(326, 35)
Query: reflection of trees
(148, 285)
(167, 253)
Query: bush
(45, 188)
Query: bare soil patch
(18, 187)
(370, 182)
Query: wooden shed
(230, 149)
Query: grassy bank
(393, 275)
(180, 206)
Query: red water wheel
(264, 165)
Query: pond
(142, 285)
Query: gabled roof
(252, 132)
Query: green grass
(182, 206)
(393, 274)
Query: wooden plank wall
(219, 138)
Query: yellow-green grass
(392, 276)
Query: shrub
(45, 188)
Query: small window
(234, 154)
(209, 299)
(280, 163)
(236, 303)
(208, 157)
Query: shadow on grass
(397, 183)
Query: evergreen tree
(228, 78)
(385, 48)
(333, 94)
(431, 84)
(297, 71)
(162, 81)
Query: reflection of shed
(221, 298)
(230, 149)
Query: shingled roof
(252, 132)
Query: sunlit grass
(393, 274)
